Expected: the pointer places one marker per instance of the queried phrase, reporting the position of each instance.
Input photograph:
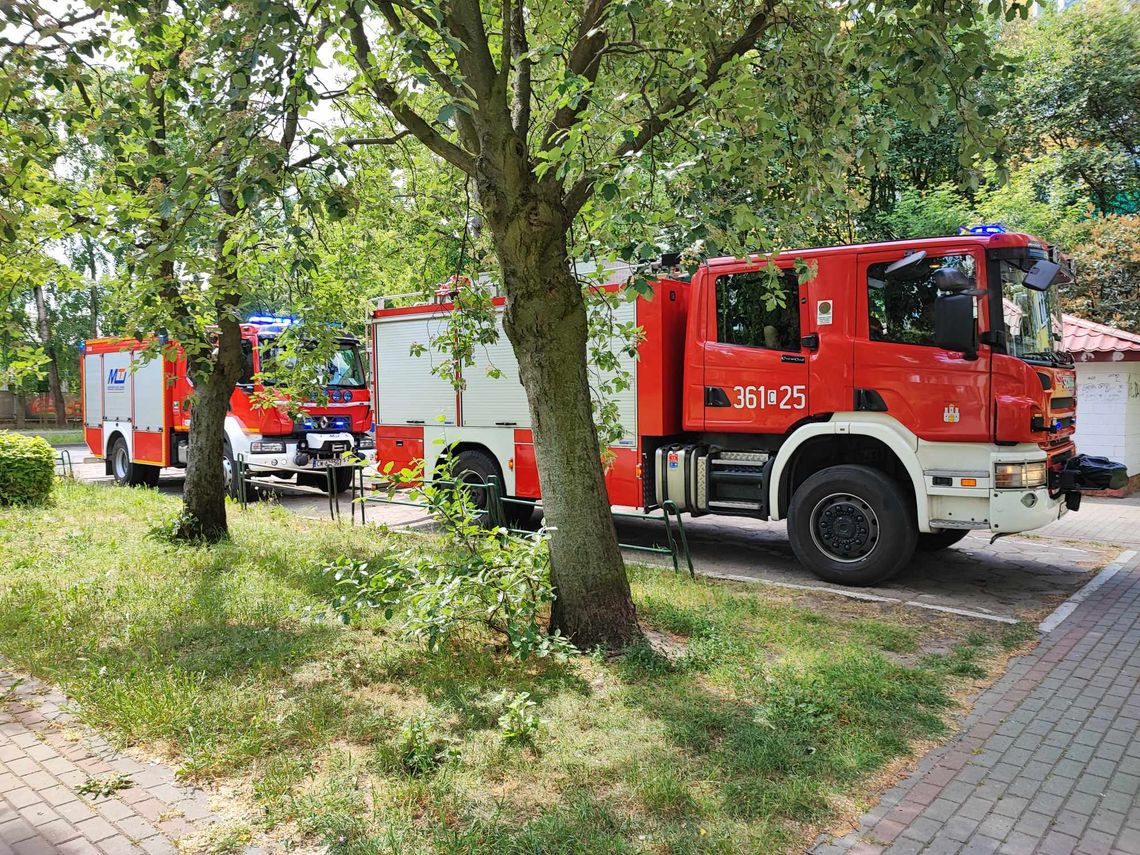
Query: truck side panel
(407, 392)
(150, 408)
(661, 358)
(118, 386)
(490, 401)
(93, 402)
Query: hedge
(27, 469)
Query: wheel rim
(476, 488)
(844, 528)
(120, 462)
(227, 472)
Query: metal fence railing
(496, 505)
(253, 478)
(64, 467)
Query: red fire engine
(905, 394)
(136, 412)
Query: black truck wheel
(125, 472)
(852, 525)
(475, 469)
(229, 474)
(937, 540)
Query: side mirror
(954, 324)
(1041, 275)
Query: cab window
(246, 376)
(753, 310)
(900, 304)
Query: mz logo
(117, 378)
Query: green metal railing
(246, 480)
(64, 464)
(496, 510)
(496, 503)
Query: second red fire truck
(901, 396)
(136, 411)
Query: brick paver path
(1100, 520)
(1049, 759)
(43, 762)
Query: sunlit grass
(751, 713)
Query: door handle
(811, 342)
(715, 397)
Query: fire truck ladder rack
(496, 509)
(246, 480)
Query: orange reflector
(511, 464)
(969, 482)
(637, 471)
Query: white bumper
(982, 505)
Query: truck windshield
(344, 367)
(1033, 318)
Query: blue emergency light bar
(984, 229)
(270, 319)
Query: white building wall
(1108, 411)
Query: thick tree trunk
(204, 494)
(546, 323)
(55, 387)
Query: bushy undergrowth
(469, 578)
(27, 469)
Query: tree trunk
(204, 494)
(55, 388)
(546, 323)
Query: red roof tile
(1083, 336)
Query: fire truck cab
(137, 412)
(880, 398)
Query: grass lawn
(56, 436)
(768, 715)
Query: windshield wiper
(1049, 356)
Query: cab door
(937, 394)
(755, 365)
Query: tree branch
(678, 104)
(464, 18)
(384, 92)
(388, 10)
(585, 61)
(520, 48)
(351, 143)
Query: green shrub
(27, 469)
(473, 580)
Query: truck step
(749, 476)
(732, 505)
(746, 458)
(958, 524)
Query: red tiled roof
(1083, 336)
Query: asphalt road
(1020, 577)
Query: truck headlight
(1017, 476)
(366, 442)
(267, 447)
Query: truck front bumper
(311, 450)
(1024, 510)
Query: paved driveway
(1014, 578)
